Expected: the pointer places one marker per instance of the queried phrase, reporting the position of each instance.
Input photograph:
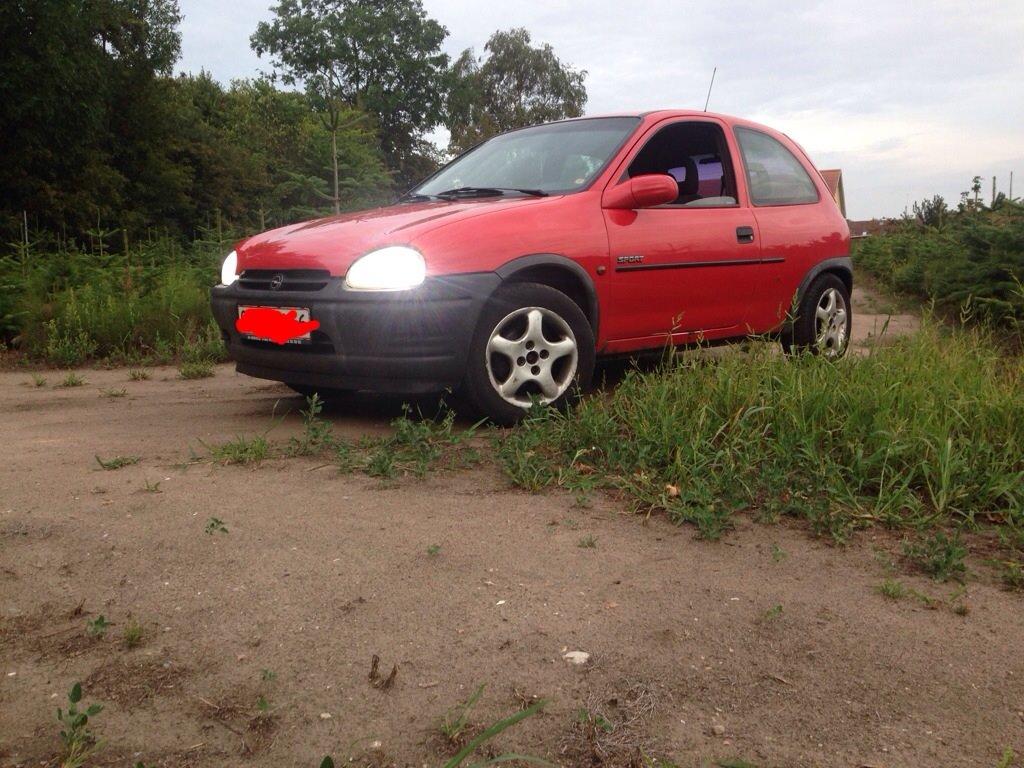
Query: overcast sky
(910, 99)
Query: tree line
(99, 136)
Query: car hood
(333, 243)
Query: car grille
(285, 279)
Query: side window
(697, 157)
(774, 176)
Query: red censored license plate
(280, 325)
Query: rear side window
(774, 175)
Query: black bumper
(403, 342)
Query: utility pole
(1011, 185)
(993, 191)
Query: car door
(798, 222)
(688, 269)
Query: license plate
(301, 315)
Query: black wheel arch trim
(512, 268)
(840, 265)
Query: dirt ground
(770, 647)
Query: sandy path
(319, 571)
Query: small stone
(576, 657)
(325, 715)
(718, 729)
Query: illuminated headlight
(229, 269)
(395, 268)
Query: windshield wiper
(480, 191)
(417, 197)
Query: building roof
(832, 178)
(834, 181)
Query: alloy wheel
(830, 323)
(531, 355)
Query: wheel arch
(840, 266)
(558, 272)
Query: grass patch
(196, 369)
(113, 393)
(133, 634)
(927, 430)
(72, 380)
(939, 555)
(241, 450)
(892, 589)
(137, 374)
(38, 380)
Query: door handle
(744, 234)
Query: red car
(510, 270)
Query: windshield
(555, 158)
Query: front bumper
(403, 342)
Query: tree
(382, 56)
(516, 85)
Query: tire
(326, 394)
(823, 320)
(532, 342)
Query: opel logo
(276, 282)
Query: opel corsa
(510, 270)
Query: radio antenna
(712, 85)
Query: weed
(152, 487)
(117, 462)
(961, 609)
(345, 457)
(587, 542)
(133, 633)
(79, 742)
(456, 720)
(268, 676)
(316, 433)
(240, 450)
(778, 553)
(196, 369)
(137, 374)
(939, 555)
(97, 628)
(72, 380)
(772, 613)
(1012, 573)
(734, 762)
(892, 589)
(38, 380)
(594, 720)
(1006, 761)
(262, 704)
(114, 392)
(382, 464)
(433, 550)
(215, 525)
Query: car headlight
(395, 268)
(229, 269)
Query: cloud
(910, 99)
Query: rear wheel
(532, 344)
(823, 320)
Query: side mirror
(645, 191)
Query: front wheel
(823, 319)
(532, 344)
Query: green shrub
(150, 304)
(974, 258)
